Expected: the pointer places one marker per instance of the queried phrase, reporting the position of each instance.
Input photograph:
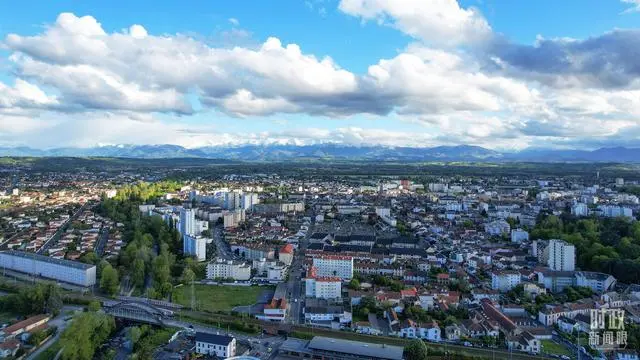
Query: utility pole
(193, 296)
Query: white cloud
(435, 21)
(24, 95)
(234, 21)
(138, 31)
(634, 6)
(140, 72)
(122, 80)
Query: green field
(218, 298)
(553, 348)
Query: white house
(218, 345)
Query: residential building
(497, 228)
(524, 342)
(233, 218)
(229, 269)
(519, 235)
(195, 246)
(323, 287)
(72, 272)
(276, 272)
(615, 211)
(286, 254)
(217, 345)
(560, 255)
(580, 209)
(556, 281)
(334, 265)
(504, 280)
(23, 326)
(275, 310)
(598, 282)
(188, 224)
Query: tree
(138, 273)
(416, 350)
(86, 332)
(109, 281)
(134, 334)
(54, 299)
(90, 258)
(94, 306)
(188, 276)
(354, 284)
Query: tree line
(609, 245)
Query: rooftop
(377, 351)
(63, 262)
(213, 338)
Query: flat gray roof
(37, 257)
(378, 351)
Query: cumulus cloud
(605, 61)
(459, 81)
(140, 72)
(436, 21)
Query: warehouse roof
(376, 351)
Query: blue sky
(494, 73)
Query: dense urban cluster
(475, 265)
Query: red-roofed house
(23, 326)
(412, 292)
(276, 310)
(286, 254)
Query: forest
(609, 245)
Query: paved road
(54, 239)
(222, 247)
(102, 241)
(573, 347)
(296, 284)
(58, 322)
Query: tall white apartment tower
(188, 224)
(561, 255)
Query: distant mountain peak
(282, 152)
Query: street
(296, 283)
(54, 239)
(102, 241)
(222, 247)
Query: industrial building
(337, 349)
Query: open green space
(553, 348)
(218, 298)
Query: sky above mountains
(494, 73)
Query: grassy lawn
(552, 347)
(218, 298)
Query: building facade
(229, 269)
(72, 272)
